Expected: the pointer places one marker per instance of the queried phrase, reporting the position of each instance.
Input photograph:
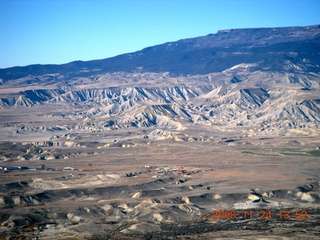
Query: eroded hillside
(238, 97)
(154, 144)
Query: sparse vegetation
(147, 146)
(314, 152)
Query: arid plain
(141, 154)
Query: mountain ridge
(188, 84)
(187, 51)
(129, 146)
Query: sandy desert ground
(127, 186)
(214, 137)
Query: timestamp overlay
(308, 217)
(262, 214)
(288, 221)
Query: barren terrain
(162, 189)
(89, 150)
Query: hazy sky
(60, 31)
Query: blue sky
(60, 31)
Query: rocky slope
(267, 79)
